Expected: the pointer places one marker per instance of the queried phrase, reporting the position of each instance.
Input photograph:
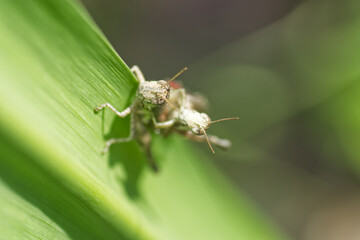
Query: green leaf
(55, 67)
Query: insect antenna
(224, 119)
(208, 142)
(178, 74)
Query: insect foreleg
(122, 114)
(165, 124)
(139, 75)
(120, 140)
(220, 142)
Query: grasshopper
(151, 97)
(182, 116)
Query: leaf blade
(55, 68)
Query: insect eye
(205, 117)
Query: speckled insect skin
(151, 96)
(184, 118)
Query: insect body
(182, 116)
(150, 98)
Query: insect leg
(145, 143)
(183, 96)
(165, 124)
(220, 142)
(122, 114)
(120, 140)
(139, 75)
(115, 140)
(151, 159)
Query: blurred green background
(289, 70)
